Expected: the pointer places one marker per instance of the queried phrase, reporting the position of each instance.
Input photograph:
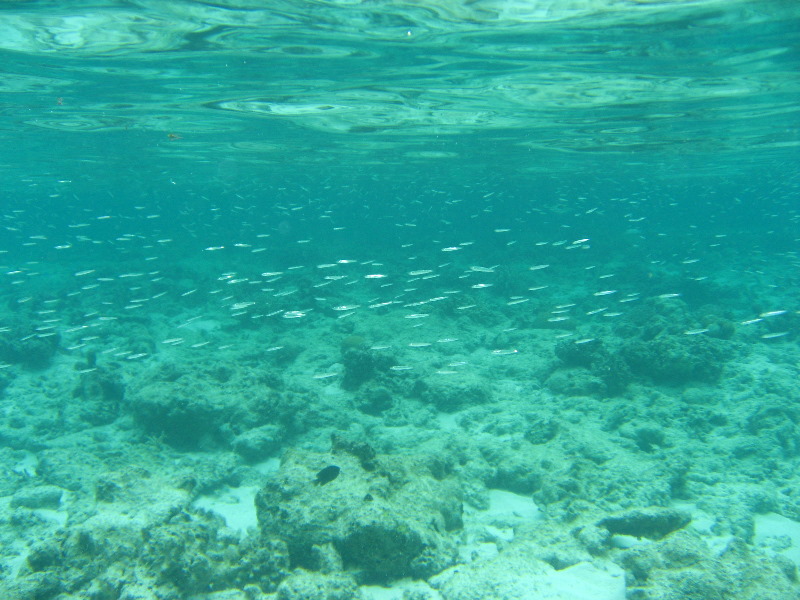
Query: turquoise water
(384, 300)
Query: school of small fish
(194, 287)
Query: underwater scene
(400, 300)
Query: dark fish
(327, 475)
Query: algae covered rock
(518, 573)
(591, 369)
(308, 585)
(683, 565)
(374, 399)
(183, 412)
(575, 382)
(202, 411)
(651, 523)
(362, 365)
(258, 443)
(38, 496)
(450, 395)
(677, 359)
(101, 392)
(389, 522)
(22, 346)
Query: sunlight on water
(575, 76)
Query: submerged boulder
(677, 359)
(389, 522)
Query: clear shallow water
(351, 203)
(423, 84)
